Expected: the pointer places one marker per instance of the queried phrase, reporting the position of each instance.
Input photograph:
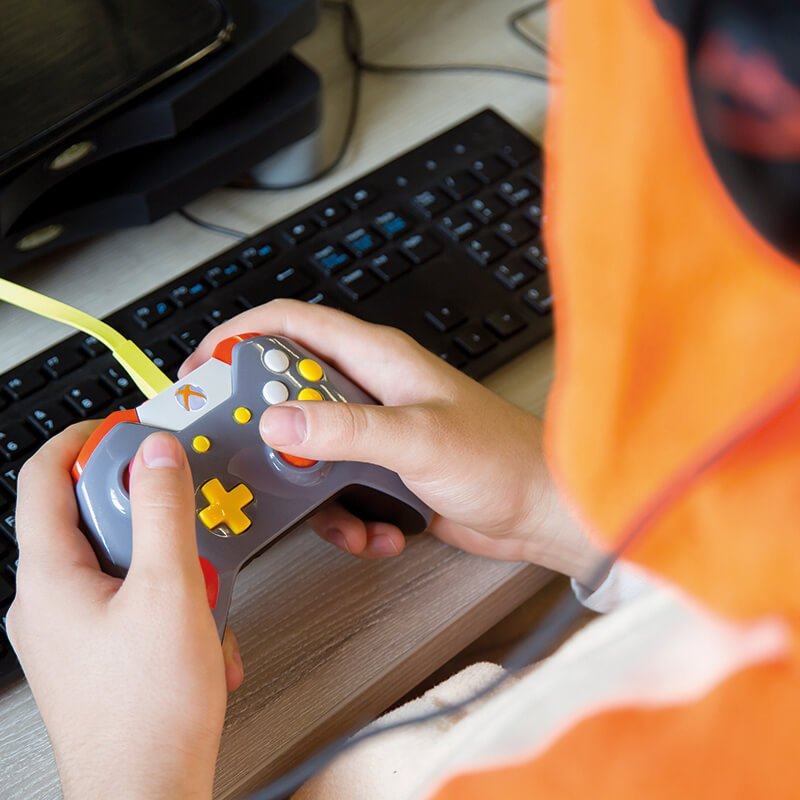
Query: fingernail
(283, 425)
(162, 451)
(383, 546)
(337, 538)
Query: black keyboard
(442, 242)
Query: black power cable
(211, 226)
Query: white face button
(276, 361)
(275, 392)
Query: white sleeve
(624, 582)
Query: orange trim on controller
(296, 461)
(211, 578)
(224, 350)
(126, 415)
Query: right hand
(473, 457)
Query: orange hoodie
(676, 410)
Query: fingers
(371, 540)
(234, 669)
(371, 355)
(162, 506)
(400, 438)
(47, 512)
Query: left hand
(129, 675)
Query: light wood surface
(327, 641)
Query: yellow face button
(309, 394)
(225, 507)
(242, 415)
(201, 444)
(310, 370)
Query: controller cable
(560, 619)
(352, 40)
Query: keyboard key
(430, 203)
(62, 362)
(518, 153)
(458, 225)
(534, 173)
(515, 273)
(257, 255)
(361, 242)
(289, 282)
(360, 197)
(445, 318)
(8, 525)
(222, 313)
(92, 347)
(24, 382)
(163, 354)
(539, 296)
(486, 207)
(15, 441)
(489, 169)
(533, 212)
(460, 185)
(189, 337)
(504, 323)
(535, 254)
(317, 298)
(453, 357)
(516, 230)
(486, 249)
(515, 192)
(389, 266)
(87, 398)
(116, 381)
(49, 420)
(219, 276)
(390, 225)
(330, 214)
(475, 340)
(330, 259)
(420, 248)
(150, 314)
(357, 284)
(300, 231)
(187, 293)
(9, 477)
(6, 590)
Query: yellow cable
(145, 374)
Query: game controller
(247, 495)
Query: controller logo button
(191, 398)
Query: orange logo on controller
(191, 398)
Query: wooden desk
(327, 641)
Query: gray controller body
(283, 495)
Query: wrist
(553, 536)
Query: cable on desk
(211, 226)
(565, 613)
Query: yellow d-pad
(144, 373)
(225, 507)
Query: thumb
(162, 507)
(395, 437)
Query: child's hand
(473, 457)
(129, 675)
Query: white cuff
(624, 582)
